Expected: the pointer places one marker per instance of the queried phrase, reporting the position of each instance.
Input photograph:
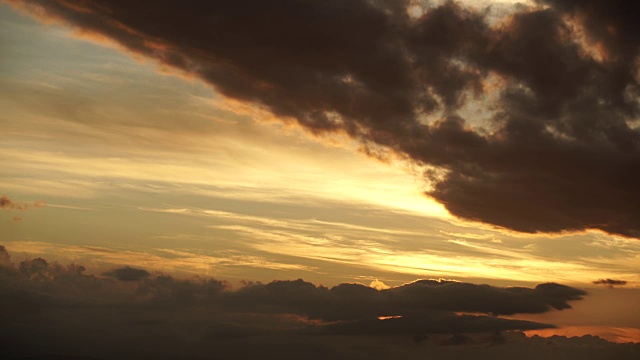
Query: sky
(169, 160)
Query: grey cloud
(355, 301)
(610, 282)
(165, 291)
(127, 274)
(5, 257)
(561, 151)
(232, 331)
(34, 267)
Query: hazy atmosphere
(397, 179)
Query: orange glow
(610, 333)
(578, 35)
(79, 6)
(389, 317)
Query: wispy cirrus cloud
(412, 250)
(181, 261)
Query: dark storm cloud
(127, 274)
(561, 151)
(610, 282)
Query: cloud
(8, 204)
(610, 333)
(49, 308)
(610, 282)
(429, 324)
(378, 285)
(558, 146)
(127, 274)
(344, 302)
(34, 267)
(5, 257)
(422, 297)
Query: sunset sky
(370, 142)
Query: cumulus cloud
(610, 282)
(50, 308)
(527, 122)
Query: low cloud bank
(58, 309)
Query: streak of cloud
(610, 282)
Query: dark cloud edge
(561, 123)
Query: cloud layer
(345, 302)
(529, 122)
(49, 308)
